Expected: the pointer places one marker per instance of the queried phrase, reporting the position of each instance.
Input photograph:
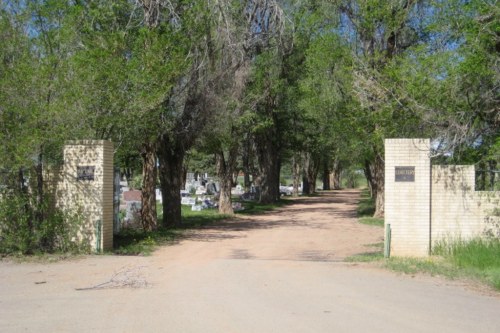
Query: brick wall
(458, 211)
(439, 203)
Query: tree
(381, 34)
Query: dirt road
(279, 272)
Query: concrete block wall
(438, 202)
(93, 199)
(407, 203)
(458, 211)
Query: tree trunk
(246, 160)
(39, 209)
(296, 175)
(378, 185)
(148, 196)
(306, 187)
(335, 175)
(326, 175)
(27, 210)
(492, 165)
(310, 173)
(225, 175)
(184, 176)
(482, 176)
(369, 177)
(171, 158)
(269, 165)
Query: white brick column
(408, 195)
(87, 188)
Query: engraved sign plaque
(85, 172)
(405, 173)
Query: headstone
(189, 201)
(132, 214)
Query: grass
(255, 208)
(366, 206)
(433, 266)
(375, 255)
(371, 221)
(477, 259)
(365, 210)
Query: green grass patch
(366, 208)
(375, 255)
(138, 242)
(365, 257)
(255, 208)
(371, 221)
(366, 205)
(195, 219)
(433, 265)
(477, 259)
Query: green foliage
(136, 182)
(20, 234)
(477, 259)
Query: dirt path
(279, 272)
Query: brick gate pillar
(87, 188)
(408, 196)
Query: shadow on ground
(285, 217)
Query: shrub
(20, 232)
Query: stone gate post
(87, 188)
(408, 196)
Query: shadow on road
(336, 205)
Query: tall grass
(478, 257)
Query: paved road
(281, 272)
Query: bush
(21, 233)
